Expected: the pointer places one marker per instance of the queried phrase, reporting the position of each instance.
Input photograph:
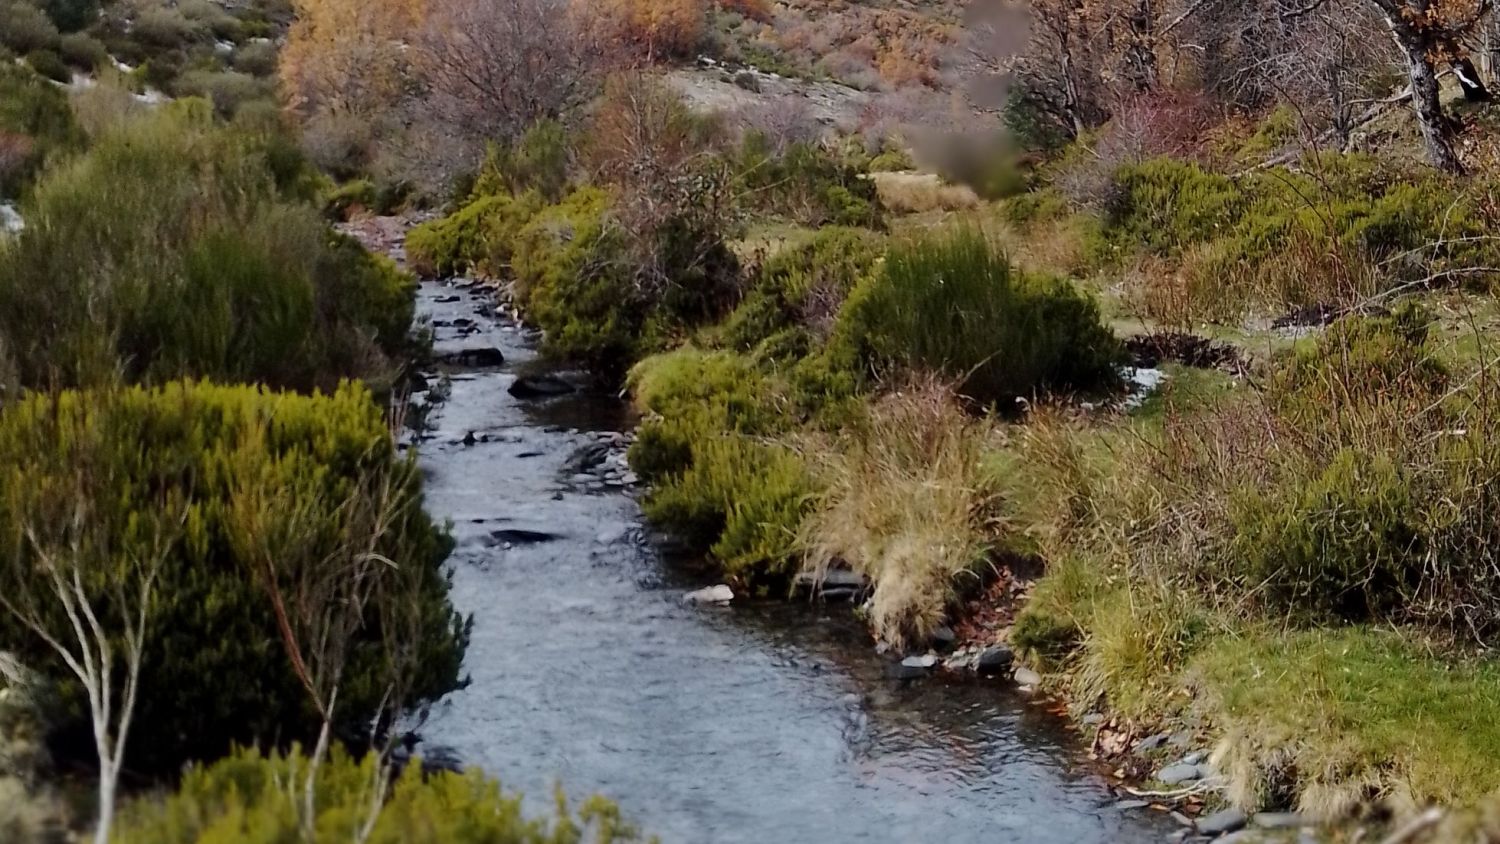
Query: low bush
(166, 27)
(71, 15)
(951, 303)
(257, 58)
(715, 480)
(83, 52)
(49, 64)
(248, 797)
(794, 297)
(24, 27)
(35, 125)
(228, 90)
(174, 248)
(806, 182)
(538, 162)
(247, 468)
(481, 236)
(910, 505)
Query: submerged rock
(520, 536)
(539, 386)
(586, 458)
(484, 357)
(719, 594)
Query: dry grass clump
(918, 193)
(910, 505)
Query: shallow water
(764, 722)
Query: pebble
(920, 661)
(1220, 822)
(1194, 758)
(1026, 677)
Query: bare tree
(1429, 33)
(491, 68)
(88, 593)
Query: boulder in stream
(539, 386)
(484, 357)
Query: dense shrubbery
(247, 797)
(479, 237)
(172, 248)
(806, 182)
(1335, 231)
(716, 480)
(224, 455)
(35, 123)
(953, 304)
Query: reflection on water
(765, 722)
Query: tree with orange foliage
(664, 29)
(348, 55)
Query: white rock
(922, 661)
(720, 594)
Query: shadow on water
(765, 722)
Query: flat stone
(1220, 822)
(924, 661)
(1197, 757)
(994, 661)
(1151, 742)
(586, 458)
(1092, 719)
(1132, 804)
(719, 594)
(1175, 774)
(1026, 677)
(1279, 820)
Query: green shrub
(480, 236)
(170, 250)
(808, 183)
(257, 58)
(537, 162)
(1038, 206)
(212, 16)
(1344, 542)
(716, 483)
(49, 64)
(83, 51)
(249, 467)
(228, 90)
(892, 161)
(71, 15)
(166, 27)
(24, 27)
(246, 797)
(1162, 205)
(35, 124)
(795, 296)
(951, 303)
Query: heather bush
(35, 124)
(806, 182)
(24, 27)
(175, 248)
(247, 797)
(716, 481)
(228, 458)
(49, 64)
(83, 51)
(481, 236)
(951, 303)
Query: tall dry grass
(910, 505)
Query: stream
(761, 722)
